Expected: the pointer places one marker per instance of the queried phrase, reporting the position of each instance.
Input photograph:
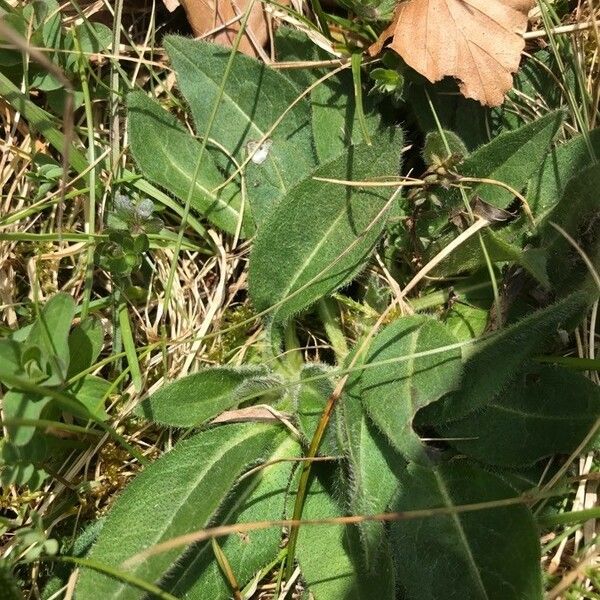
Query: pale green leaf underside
(177, 494)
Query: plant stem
(293, 355)
(90, 206)
(330, 316)
(358, 99)
(315, 444)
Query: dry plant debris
(479, 42)
(219, 21)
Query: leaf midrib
(273, 152)
(196, 183)
(244, 435)
(303, 266)
(447, 499)
(240, 499)
(540, 416)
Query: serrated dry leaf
(171, 5)
(207, 15)
(479, 42)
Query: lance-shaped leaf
(335, 123)
(193, 400)
(254, 97)
(168, 156)
(177, 494)
(316, 385)
(577, 213)
(330, 556)
(511, 158)
(373, 467)
(536, 78)
(394, 390)
(469, 256)
(560, 166)
(545, 411)
(492, 362)
(491, 554)
(321, 234)
(197, 575)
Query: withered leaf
(479, 42)
(218, 17)
(259, 413)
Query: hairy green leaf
(168, 156)
(394, 391)
(492, 362)
(335, 124)
(440, 146)
(177, 494)
(193, 400)
(537, 78)
(315, 387)
(469, 255)
(320, 235)
(373, 467)
(577, 213)
(562, 164)
(335, 121)
(330, 556)
(465, 117)
(292, 45)
(544, 411)
(466, 322)
(511, 158)
(197, 576)
(254, 97)
(481, 555)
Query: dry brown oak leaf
(479, 42)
